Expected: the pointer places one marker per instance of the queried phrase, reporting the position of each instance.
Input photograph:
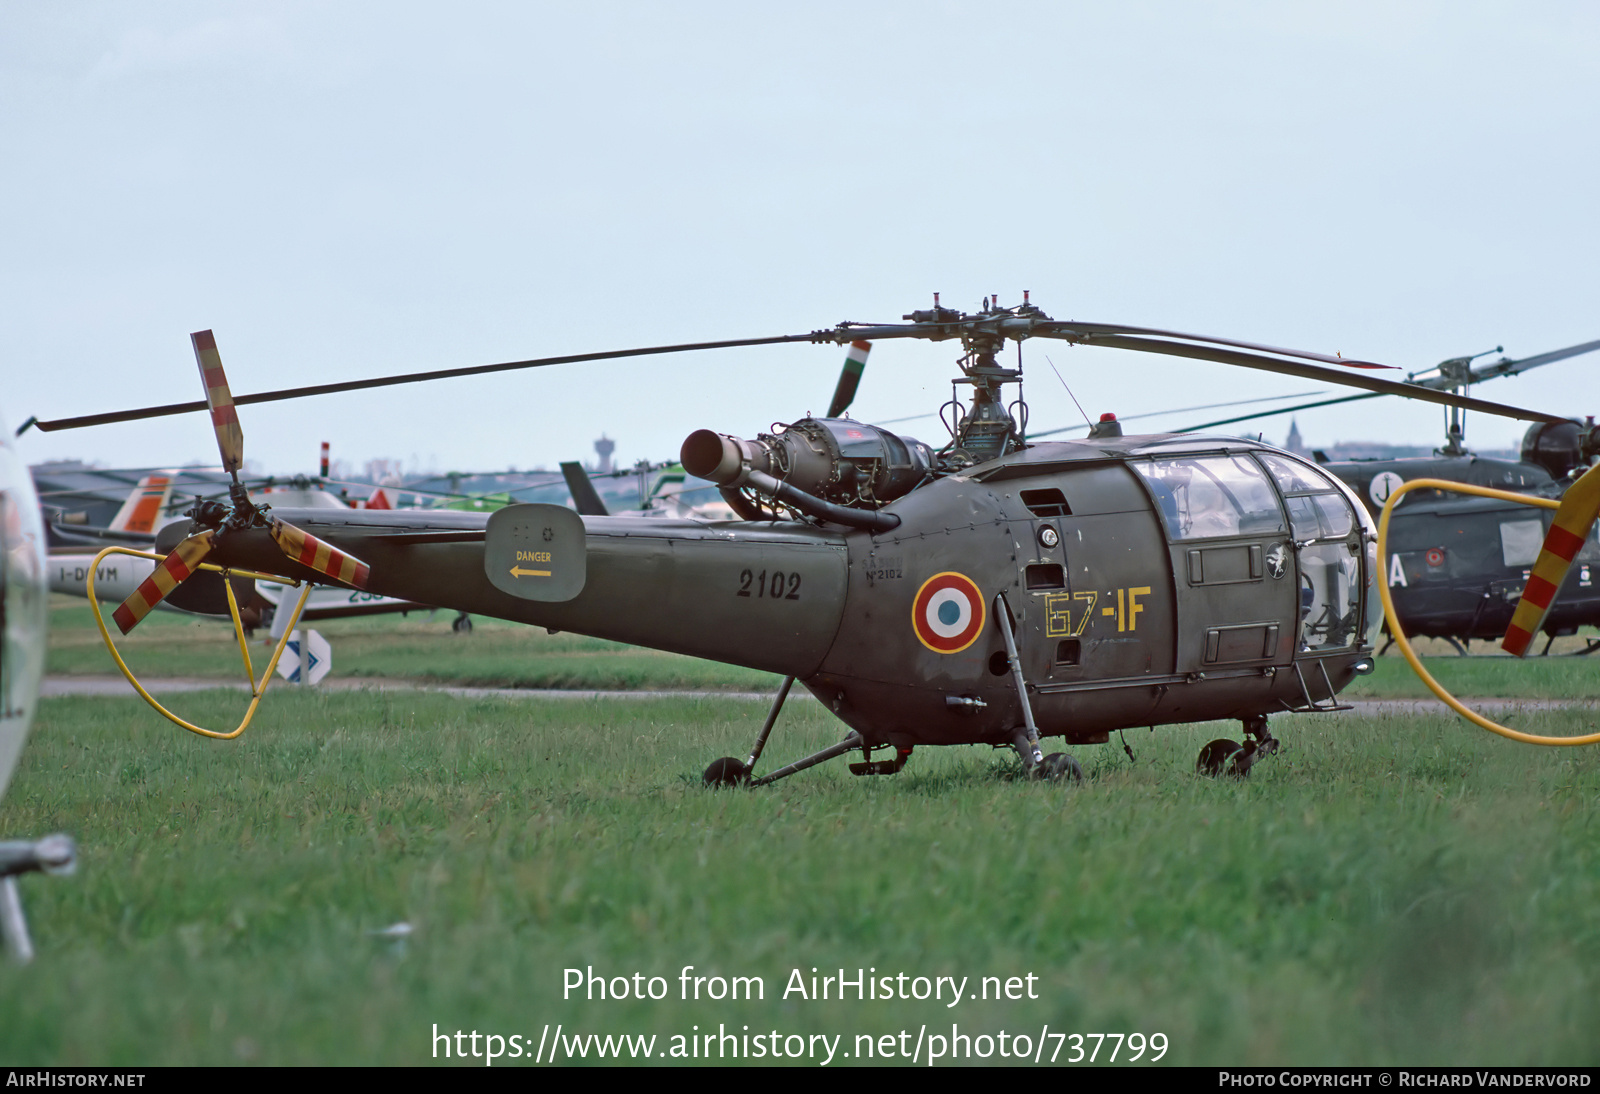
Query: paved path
(53, 686)
(116, 685)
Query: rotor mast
(1456, 376)
(987, 430)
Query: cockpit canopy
(1233, 494)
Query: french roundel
(948, 613)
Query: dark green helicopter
(990, 591)
(1457, 564)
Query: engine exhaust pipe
(731, 462)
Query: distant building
(603, 448)
(1377, 450)
(1293, 442)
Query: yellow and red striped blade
(172, 571)
(324, 558)
(1562, 543)
(224, 418)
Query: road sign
(306, 659)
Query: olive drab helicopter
(988, 591)
(1456, 563)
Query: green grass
(1392, 889)
(1486, 677)
(419, 646)
(1389, 889)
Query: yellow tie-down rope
(1400, 635)
(257, 689)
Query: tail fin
(146, 502)
(584, 497)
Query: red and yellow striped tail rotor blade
(224, 418)
(1579, 506)
(172, 571)
(324, 558)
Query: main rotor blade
(1579, 507)
(308, 550)
(1323, 375)
(1096, 331)
(1507, 367)
(1503, 367)
(1021, 326)
(179, 565)
(409, 378)
(855, 360)
(1003, 326)
(224, 419)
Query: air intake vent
(1046, 503)
(1045, 575)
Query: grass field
(418, 646)
(1388, 890)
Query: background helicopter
(988, 592)
(1457, 564)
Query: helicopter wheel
(462, 624)
(1058, 767)
(727, 772)
(1218, 756)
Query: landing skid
(1455, 644)
(732, 772)
(1590, 645)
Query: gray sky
(345, 190)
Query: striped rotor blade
(224, 418)
(1565, 539)
(324, 558)
(173, 571)
(855, 360)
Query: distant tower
(1293, 442)
(603, 448)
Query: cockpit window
(1201, 497)
(1331, 589)
(1319, 516)
(1295, 478)
(1317, 508)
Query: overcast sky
(344, 190)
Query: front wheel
(1219, 756)
(1058, 767)
(726, 772)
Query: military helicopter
(1457, 564)
(990, 591)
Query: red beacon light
(1107, 426)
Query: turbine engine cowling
(841, 461)
(1559, 447)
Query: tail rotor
(1573, 520)
(240, 512)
